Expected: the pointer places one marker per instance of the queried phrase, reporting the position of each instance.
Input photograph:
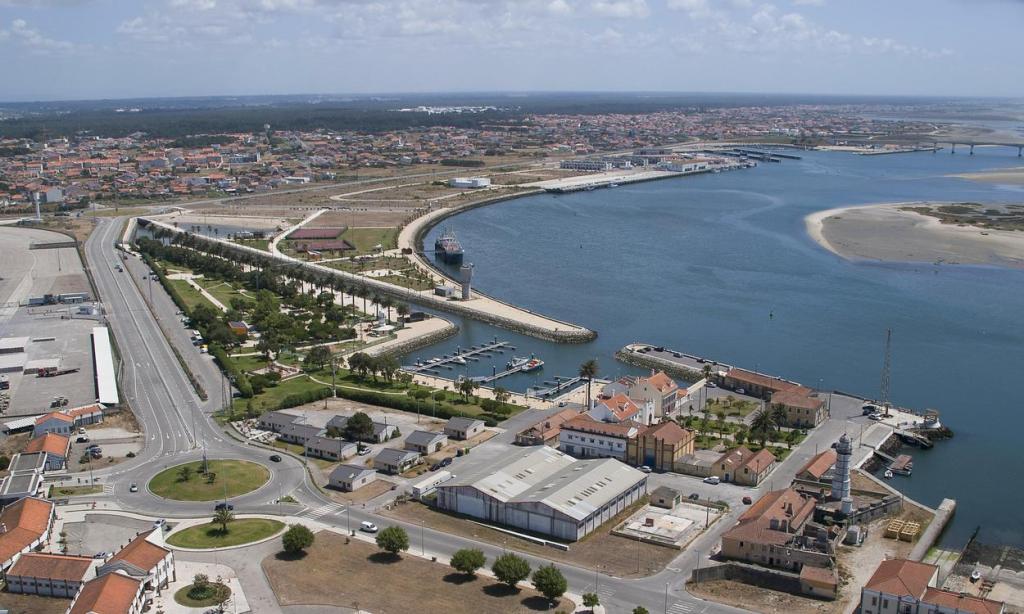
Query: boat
(448, 249)
(459, 360)
(903, 465)
(888, 474)
(533, 364)
(525, 365)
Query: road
(178, 427)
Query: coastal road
(178, 426)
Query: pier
(562, 384)
(460, 357)
(487, 379)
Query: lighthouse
(841, 474)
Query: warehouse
(547, 492)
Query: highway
(178, 427)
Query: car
(659, 349)
(223, 506)
(101, 555)
(203, 349)
(435, 466)
(645, 469)
(876, 417)
(747, 500)
(712, 479)
(81, 430)
(364, 451)
(975, 575)
(369, 527)
(562, 403)
(96, 455)
(82, 440)
(275, 458)
(712, 385)
(133, 488)
(676, 355)
(93, 446)
(741, 391)
(694, 496)
(869, 408)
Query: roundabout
(222, 479)
(213, 535)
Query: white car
(645, 469)
(369, 527)
(711, 479)
(741, 391)
(876, 416)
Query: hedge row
(301, 398)
(240, 378)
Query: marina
(460, 358)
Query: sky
(87, 49)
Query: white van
(369, 527)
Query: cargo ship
(447, 248)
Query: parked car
(101, 555)
(694, 496)
(223, 506)
(645, 469)
(364, 451)
(876, 417)
(445, 462)
(741, 391)
(369, 527)
(81, 430)
(747, 500)
(712, 479)
(82, 439)
(435, 466)
(275, 458)
(711, 385)
(133, 488)
(869, 408)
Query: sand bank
(885, 233)
(1004, 176)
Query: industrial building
(469, 182)
(546, 492)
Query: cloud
(621, 9)
(21, 33)
(809, 2)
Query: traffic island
(215, 535)
(219, 479)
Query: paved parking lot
(102, 533)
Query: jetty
(561, 384)
(459, 357)
(487, 379)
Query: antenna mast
(887, 371)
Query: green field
(223, 291)
(233, 478)
(365, 239)
(271, 398)
(244, 531)
(190, 295)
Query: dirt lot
(31, 604)
(410, 582)
(12, 444)
(618, 555)
(122, 419)
(759, 599)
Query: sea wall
(411, 345)
(649, 362)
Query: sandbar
(887, 233)
(1003, 176)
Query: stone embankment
(411, 345)
(651, 362)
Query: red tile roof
(669, 432)
(141, 553)
(54, 415)
(901, 577)
(25, 521)
(52, 566)
(662, 382)
(621, 406)
(112, 593)
(586, 424)
(819, 464)
(961, 602)
(51, 443)
(798, 397)
(788, 508)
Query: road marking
(324, 510)
(108, 489)
(680, 607)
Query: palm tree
(222, 517)
(588, 371)
(761, 424)
(778, 416)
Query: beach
(1005, 176)
(885, 233)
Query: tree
(778, 416)
(359, 427)
(761, 425)
(588, 371)
(501, 395)
(466, 387)
(201, 582)
(510, 569)
(185, 473)
(316, 358)
(550, 582)
(720, 423)
(591, 600)
(640, 610)
(222, 517)
(393, 540)
(296, 539)
(468, 560)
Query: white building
(545, 491)
(584, 437)
(49, 575)
(900, 586)
(585, 165)
(469, 182)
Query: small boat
(459, 360)
(613, 185)
(888, 474)
(533, 364)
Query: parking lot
(102, 533)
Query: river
(720, 265)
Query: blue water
(699, 263)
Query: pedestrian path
(680, 607)
(108, 489)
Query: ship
(448, 249)
(525, 365)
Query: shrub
(296, 539)
(468, 560)
(550, 582)
(393, 540)
(511, 569)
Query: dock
(487, 379)
(459, 357)
(561, 384)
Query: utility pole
(887, 371)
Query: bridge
(973, 144)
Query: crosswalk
(605, 593)
(317, 513)
(680, 608)
(108, 489)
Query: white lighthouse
(841, 474)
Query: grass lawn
(233, 477)
(243, 531)
(223, 291)
(249, 363)
(409, 582)
(190, 295)
(74, 491)
(271, 398)
(407, 282)
(732, 406)
(216, 594)
(263, 244)
(365, 239)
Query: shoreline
(885, 232)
